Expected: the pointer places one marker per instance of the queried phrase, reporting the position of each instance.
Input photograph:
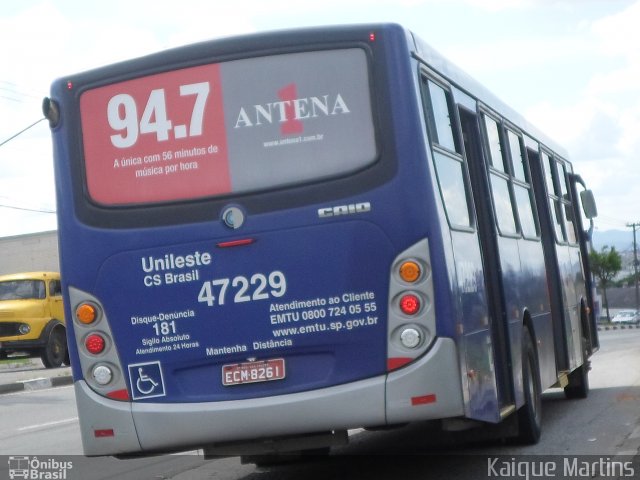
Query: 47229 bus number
(242, 289)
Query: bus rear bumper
(167, 427)
(427, 389)
(335, 408)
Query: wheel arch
(51, 324)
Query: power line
(22, 131)
(13, 91)
(27, 209)
(12, 99)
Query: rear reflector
(423, 400)
(397, 362)
(236, 243)
(107, 432)
(119, 395)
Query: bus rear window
(234, 127)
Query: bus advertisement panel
(212, 130)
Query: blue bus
(268, 240)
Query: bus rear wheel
(579, 379)
(530, 414)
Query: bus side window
(524, 204)
(496, 159)
(555, 194)
(517, 160)
(562, 180)
(504, 208)
(440, 117)
(450, 173)
(549, 166)
(521, 181)
(447, 158)
(499, 178)
(570, 224)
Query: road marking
(33, 392)
(48, 424)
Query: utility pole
(635, 226)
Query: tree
(605, 265)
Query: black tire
(54, 354)
(578, 383)
(579, 379)
(530, 414)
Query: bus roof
(465, 82)
(269, 42)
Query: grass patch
(15, 360)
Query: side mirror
(588, 204)
(51, 111)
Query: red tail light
(95, 344)
(410, 304)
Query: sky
(571, 67)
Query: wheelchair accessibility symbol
(146, 380)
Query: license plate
(253, 372)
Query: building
(30, 252)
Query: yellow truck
(32, 317)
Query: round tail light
(410, 304)
(95, 344)
(102, 374)
(410, 271)
(86, 313)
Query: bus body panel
(311, 296)
(106, 426)
(535, 301)
(477, 347)
(522, 295)
(428, 388)
(573, 288)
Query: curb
(36, 384)
(602, 328)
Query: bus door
(493, 279)
(554, 277)
(481, 356)
(567, 264)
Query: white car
(627, 317)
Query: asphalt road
(44, 423)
